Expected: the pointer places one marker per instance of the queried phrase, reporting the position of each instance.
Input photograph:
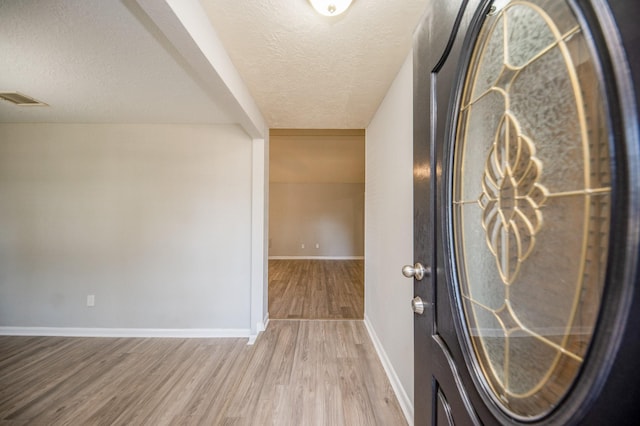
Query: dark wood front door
(527, 212)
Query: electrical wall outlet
(317, 245)
(301, 245)
(91, 300)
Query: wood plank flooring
(316, 289)
(298, 373)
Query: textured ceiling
(106, 61)
(309, 71)
(96, 61)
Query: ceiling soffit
(317, 156)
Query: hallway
(316, 289)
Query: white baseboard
(405, 402)
(260, 327)
(317, 257)
(125, 332)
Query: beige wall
(330, 215)
(154, 220)
(316, 193)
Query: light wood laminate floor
(316, 289)
(298, 373)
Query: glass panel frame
(513, 202)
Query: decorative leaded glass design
(531, 203)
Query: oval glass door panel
(531, 201)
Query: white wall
(259, 236)
(154, 220)
(389, 232)
(328, 214)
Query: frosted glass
(487, 288)
(527, 35)
(529, 363)
(492, 60)
(484, 116)
(544, 100)
(549, 281)
(558, 12)
(493, 342)
(531, 203)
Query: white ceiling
(107, 61)
(96, 61)
(310, 71)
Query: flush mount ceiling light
(330, 7)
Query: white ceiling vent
(20, 99)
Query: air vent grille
(20, 99)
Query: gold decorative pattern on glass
(511, 198)
(531, 203)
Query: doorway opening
(316, 224)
